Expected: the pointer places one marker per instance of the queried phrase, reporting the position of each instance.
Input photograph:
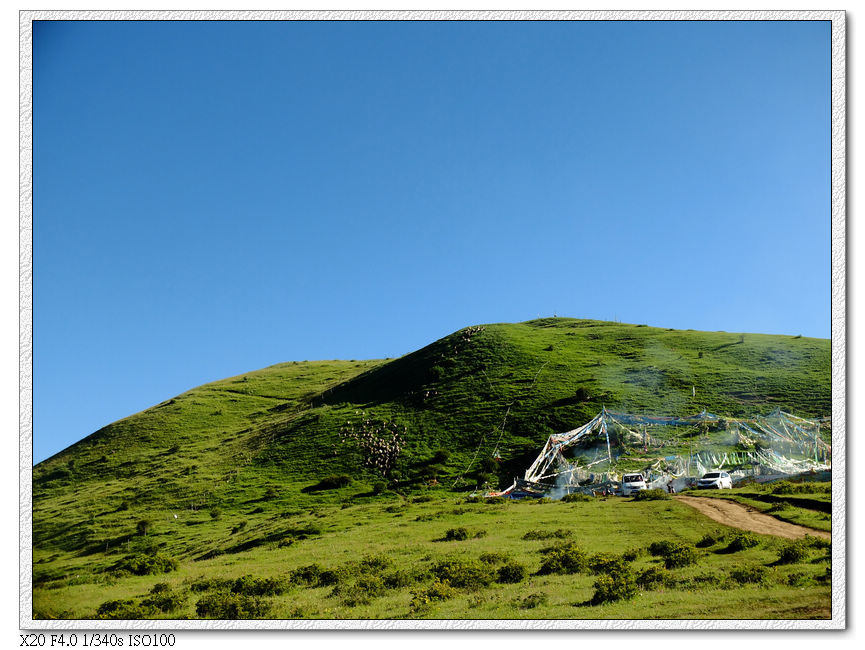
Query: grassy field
(390, 557)
(221, 480)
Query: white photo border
(838, 336)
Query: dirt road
(737, 515)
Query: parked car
(632, 483)
(715, 481)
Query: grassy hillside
(249, 448)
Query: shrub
(215, 513)
(660, 549)
(631, 554)
(607, 563)
(559, 533)
(681, 555)
(423, 498)
(456, 534)
(533, 600)
(238, 527)
(144, 564)
(252, 586)
(332, 482)
(576, 497)
(307, 575)
(232, 606)
(440, 456)
(160, 588)
(799, 580)
(494, 557)
(751, 574)
(654, 577)
(142, 527)
(793, 552)
(165, 601)
(398, 579)
(512, 573)
(270, 494)
(817, 542)
(124, 505)
(438, 591)
(379, 487)
(651, 495)
(611, 587)
(710, 539)
(376, 563)
(740, 542)
(463, 573)
(122, 609)
(564, 559)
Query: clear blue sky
(212, 198)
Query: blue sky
(211, 198)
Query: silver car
(715, 481)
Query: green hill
(253, 445)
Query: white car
(715, 481)
(632, 483)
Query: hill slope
(261, 437)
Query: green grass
(407, 540)
(237, 460)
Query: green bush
(438, 591)
(215, 513)
(464, 573)
(607, 563)
(511, 573)
(741, 542)
(398, 579)
(631, 554)
(559, 533)
(799, 580)
(122, 609)
(376, 563)
(710, 539)
(144, 564)
(440, 456)
(612, 587)
(379, 487)
(456, 534)
(751, 574)
(652, 495)
(252, 586)
(166, 601)
(231, 606)
(575, 497)
(681, 555)
(143, 526)
(564, 559)
(660, 549)
(654, 577)
(794, 552)
(308, 575)
(494, 557)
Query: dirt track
(737, 515)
